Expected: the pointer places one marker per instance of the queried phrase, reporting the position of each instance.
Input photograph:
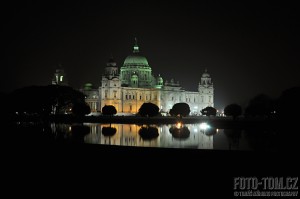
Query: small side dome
(88, 86)
(160, 80)
(111, 62)
(134, 76)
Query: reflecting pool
(191, 136)
(194, 136)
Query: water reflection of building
(128, 135)
(197, 138)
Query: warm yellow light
(178, 125)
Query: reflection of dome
(136, 60)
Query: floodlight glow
(204, 126)
(178, 125)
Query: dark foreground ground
(97, 170)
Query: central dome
(136, 71)
(136, 60)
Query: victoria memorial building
(128, 87)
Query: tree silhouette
(44, 99)
(210, 131)
(261, 139)
(180, 133)
(148, 109)
(233, 136)
(148, 133)
(35, 99)
(108, 132)
(261, 105)
(109, 110)
(79, 132)
(208, 111)
(180, 109)
(288, 110)
(81, 109)
(288, 103)
(233, 110)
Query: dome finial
(135, 47)
(111, 61)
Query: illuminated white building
(135, 84)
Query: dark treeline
(285, 106)
(43, 101)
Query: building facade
(134, 84)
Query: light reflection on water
(195, 136)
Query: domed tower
(111, 69)
(159, 82)
(136, 64)
(59, 77)
(134, 81)
(206, 79)
(206, 90)
(109, 91)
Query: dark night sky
(248, 48)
